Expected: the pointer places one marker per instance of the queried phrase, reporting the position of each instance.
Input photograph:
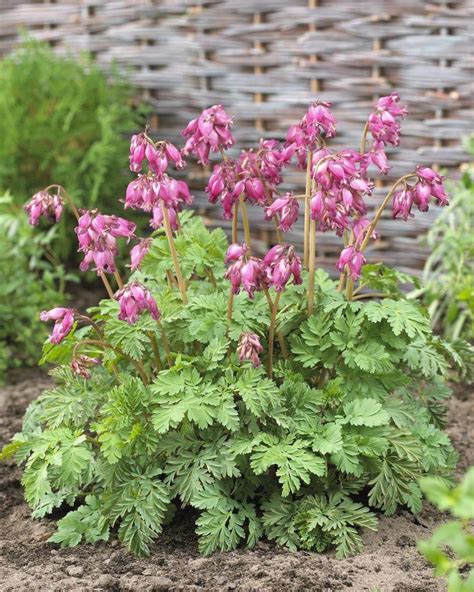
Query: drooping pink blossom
(138, 252)
(210, 132)
(318, 122)
(81, 365)
(97, 235)
(341, 188)
(402, 203)
(138, 146)
(429, 184)
(287, 208)
(384, 128)
(225, 185)
(64, 320)
(354, 260)
(157, 154)
(236, 251)
(249, 348)
(281, 264)
(244, 272)
(135, 298)
(44, 204)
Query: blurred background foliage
(63, 121)
(448, 276)
(31, 280)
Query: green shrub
(451, 548)
(28, 284)
(270, 398)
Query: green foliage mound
(344, 429)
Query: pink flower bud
(81, 364)
(64, 320)
(249, 348)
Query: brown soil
(389, 562)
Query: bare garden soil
(389, 562)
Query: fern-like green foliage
(451, 547)
(349, 423)
(28, 284)
(61, 119)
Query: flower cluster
(317, 123)
(384, 126)
(341, 185)
(225, 186)
(254, 274)
(63, 322)
(44, 204)
(158, 155)
(354, 260)
(244, 271)
(281, 262)
(249, 348)
(286, 208)
(209, 132)
(135, 298)
(97, 235)
(428, 185)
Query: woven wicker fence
(266, 59)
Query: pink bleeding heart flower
(384, 127)
(138, 252)
(44, 204)
(304, 136)
(360, 228)
(138, 146)
(81, 365)
(354, 260)
(211, 131)
(244, 272)
(236, 251)
(287, 208)
(135, 298)
(429, 184)
(225, 186)
(97, 235)
(281, 263)
(249, 348)
(402, 203)
(64, 320)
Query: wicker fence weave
(266, 59)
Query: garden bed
(389, 562)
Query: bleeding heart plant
(255, 389)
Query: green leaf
(368, 412)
